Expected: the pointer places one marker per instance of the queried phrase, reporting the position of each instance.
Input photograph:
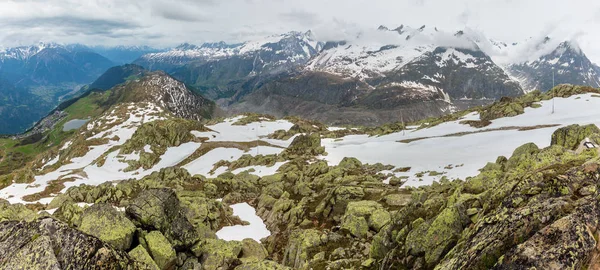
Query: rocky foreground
(537, 209)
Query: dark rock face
(49, 244)
(451, 77)
(335, 100)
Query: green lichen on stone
(16, 212)
(571, 136)
(378, 219)
(218, 254)
(106, 223)
(252, 250)
(300, 246)
(160, 249)
(140, 255)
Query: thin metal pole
(553, 92)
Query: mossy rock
(262, 265)
(521, 153)
(304, 145)
(398, 199)
(160, 249)
(356, 225)
(218, 254)
(378, 219)
(571, 136)
(362, 208)
(160, 209)
(141, 255)
(300, 246)
(108, 224)
(350, 163)
(437, 238)
(17, 212)
(253, 251)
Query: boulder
(361, 215)
(571, 136)
(160, 249)
(379, 218)
(16, 212)
(262, 265)
(108, 224)
(141, 255)
(565, 244)
(304, 145)
(398, 199)
(435, 239)
(160, 209)
(69, 213)
(300, 244)
(356, 225)
(47, 243)
(218, 254)
(252, 250)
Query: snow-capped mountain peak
(291, 47)
(555, 64)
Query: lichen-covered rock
(108, 224)
(262, 265)
(252, 250)
(378, 219)
(69, 213)
(15, 212)
(141, 255)
(356, 225)
(218, 254)
(571, 136)
(160, 209)
(398, 199)
(438, 237)
(50, 244)
(304, 145)
(160, 249)
(300, 247)
(565, 244)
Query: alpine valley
(405, 148)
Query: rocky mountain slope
(145, 189)
(566, 63)
(19, 108)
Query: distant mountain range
(43, 75)
(375, 77)
(379, 76)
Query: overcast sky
(163, 23)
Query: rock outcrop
(46, 243)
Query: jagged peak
(383, 28)
(186, 46)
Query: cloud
(300, 16)
(182, 13)
(165, 23)
(72, 22)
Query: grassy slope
(14, 156)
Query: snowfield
(431, 153)
(256, 230)
(84, 170)
(469, 152)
